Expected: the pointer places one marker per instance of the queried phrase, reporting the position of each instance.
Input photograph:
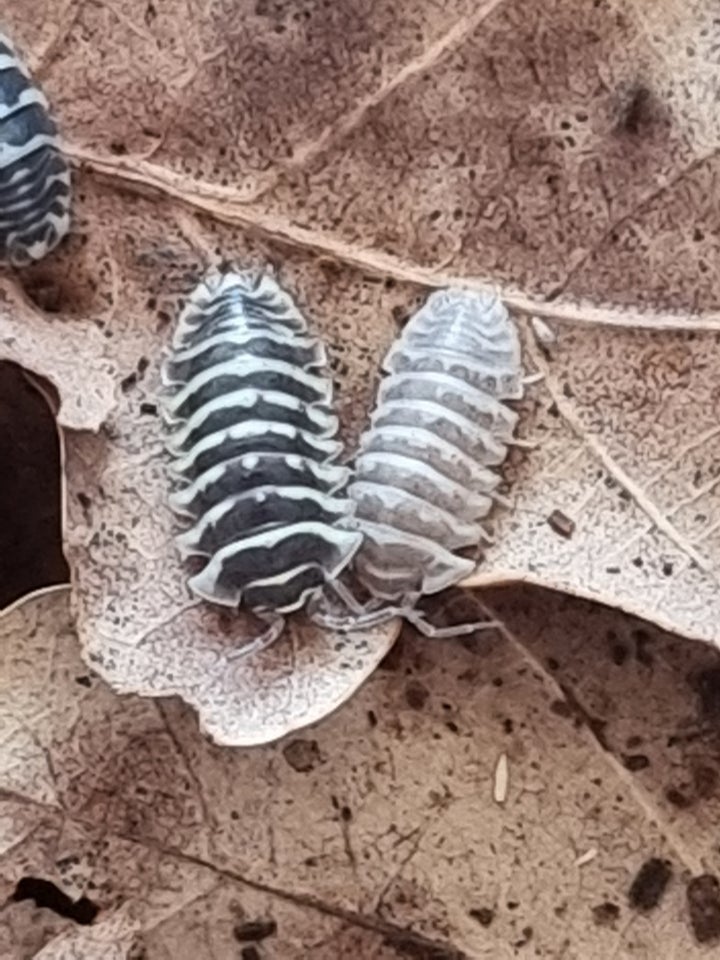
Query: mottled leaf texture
(498, 797)
(472, 797)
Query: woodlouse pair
(279, 521)
(34, 174)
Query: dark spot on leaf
(605, 914)
(416, 694)
(561, 524)
(561, 708)
(707, 685)
(703, 898)
(619, 654)
(302, 755)
(483, 915)
(705, 780)
(254, 930)
(639, 111)
(649, 884)
(636, 761)
(678, 798)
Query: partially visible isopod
(34, 174)
(253, 440)
(427, 468)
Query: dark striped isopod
(426, 469)
(253, 439)
(34, 175)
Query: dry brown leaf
(368, 156)
(378, 819)
(155, 905)
(564, 154)
(368, 152)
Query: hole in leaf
(44, 893)
(31, 554)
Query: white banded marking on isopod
(248, 407)
(35, 191)
(242, 404)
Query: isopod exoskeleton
(253, 441)
(426, 471)
(34, 174)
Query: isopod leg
(275, 626)
(523, 444)
(427, 629)
(350, 600)
(354, 616)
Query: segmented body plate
(426, 469)
(253, 441)
(34, 175)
